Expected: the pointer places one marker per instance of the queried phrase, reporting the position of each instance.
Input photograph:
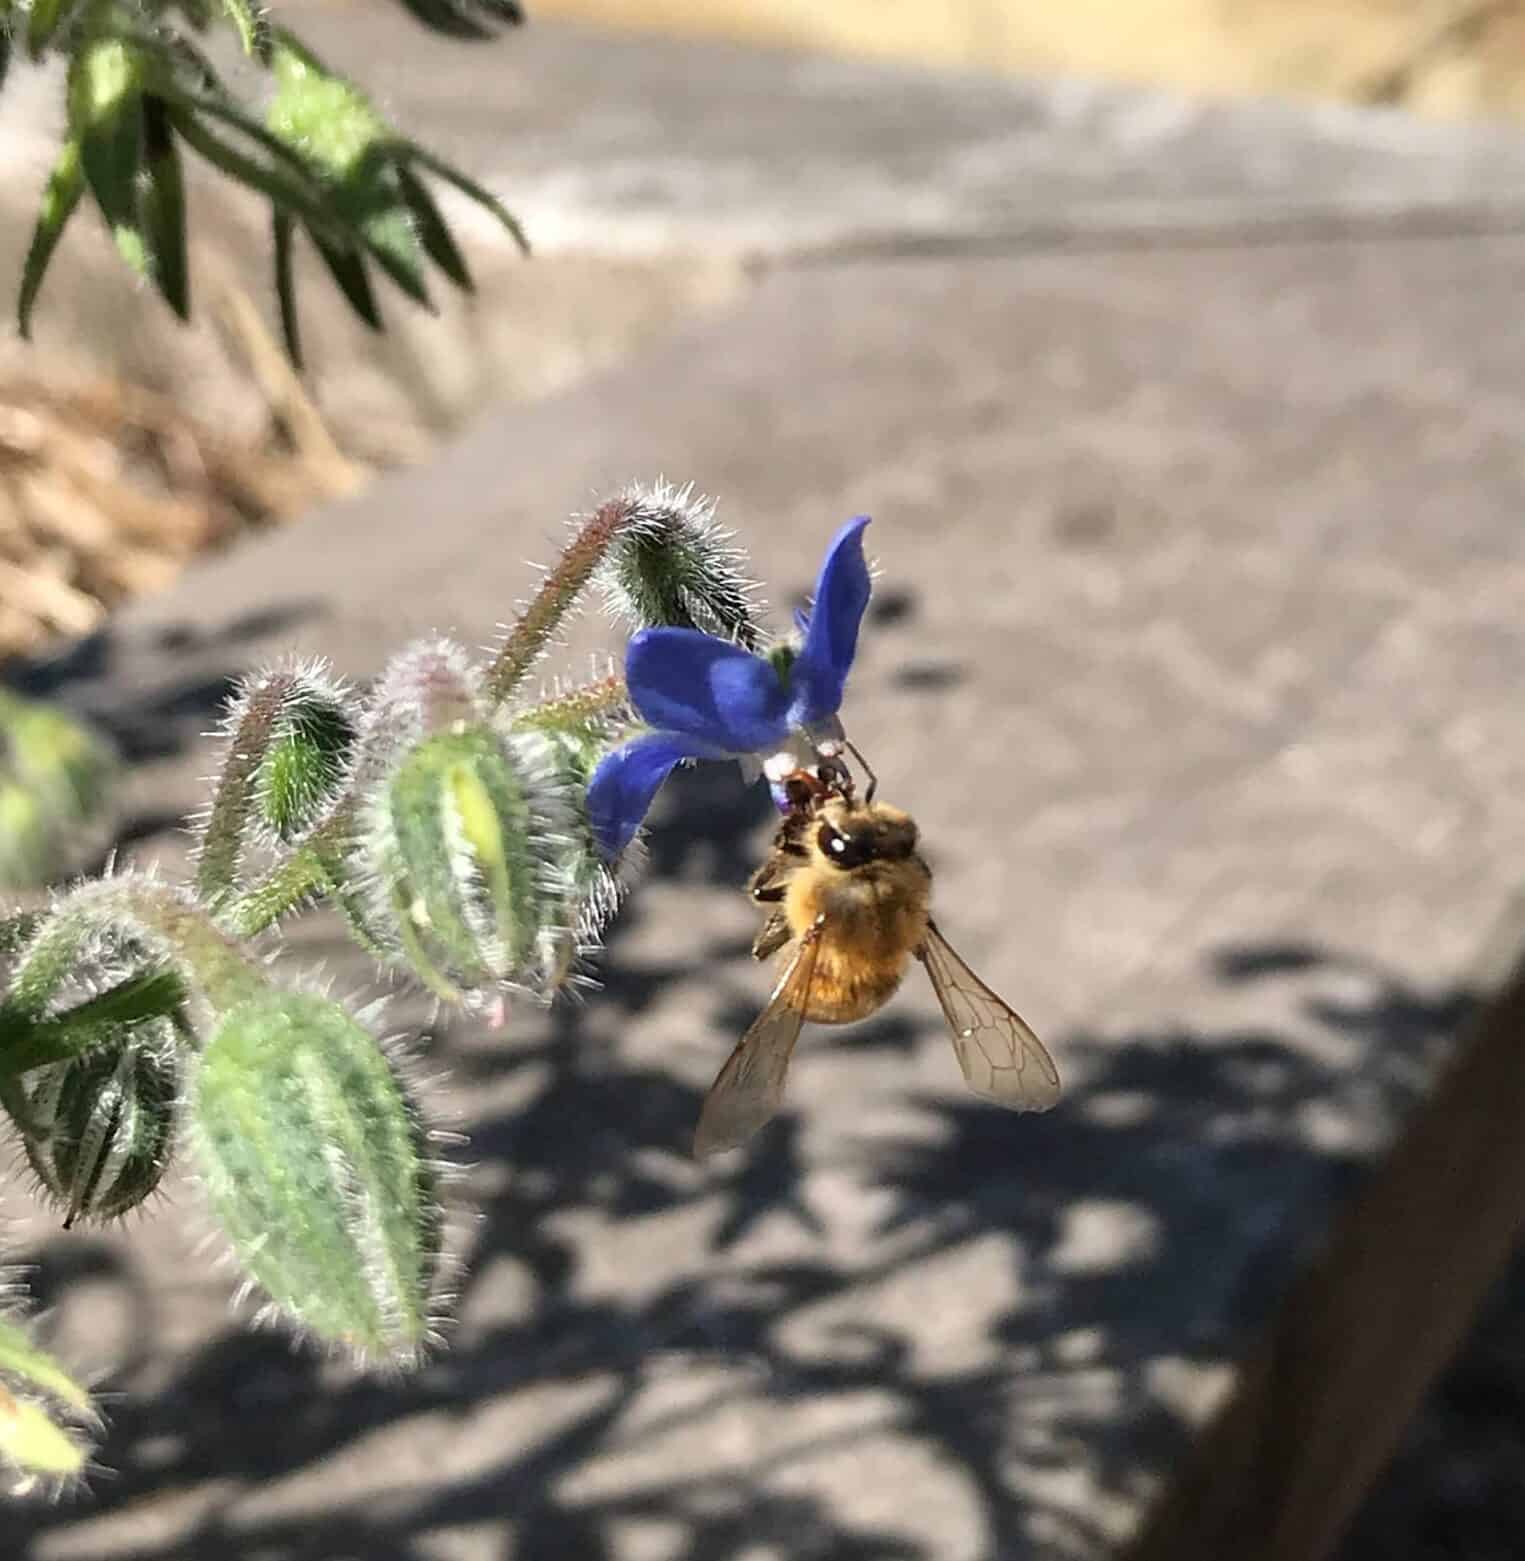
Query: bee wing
(750, 1086)
(1001, 1057)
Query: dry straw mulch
(107, 490)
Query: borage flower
(706, 698)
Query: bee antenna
(873, 780)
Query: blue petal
(820, 673)
(625, 781)
(707, 689)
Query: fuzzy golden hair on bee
(848, 898)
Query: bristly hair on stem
(559, 593)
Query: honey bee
(850, 900)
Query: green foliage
(443, 813)
(45, 1415)
(139, 89)
(58, 778)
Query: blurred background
(1434, 56)
(1176, 350)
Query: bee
(849, 899)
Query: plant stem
(577, 707)
(558, 593)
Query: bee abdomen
(846, 989)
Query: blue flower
(709, 699)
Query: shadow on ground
(1112, 1210)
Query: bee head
(849, 836)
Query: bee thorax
(866, 938)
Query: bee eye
(843, 850)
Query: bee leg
(774, 935)
(769, 882)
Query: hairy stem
(577, 707)
(307, 871)
(222, 845)
(557, 595)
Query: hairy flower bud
(314, 1159)
(673, 566)
(284, 765)
(100, 1128)
(303, 769)
(467, 844)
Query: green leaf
(322, 116)
(285, 180)
(163, 208)
(390, 238)
(457, 18)
(411, 152)
(285, 283)
(347, 267)
(315, 1162)
(66, 184)
(345, 143)
(28, 1042)
(435, 236)
(105, 113)
(5, 50)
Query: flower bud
(100, 1127)
(471, 847)
(302, 771)
(314, 1160)
(671, 565)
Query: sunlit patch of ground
(1443, 56)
